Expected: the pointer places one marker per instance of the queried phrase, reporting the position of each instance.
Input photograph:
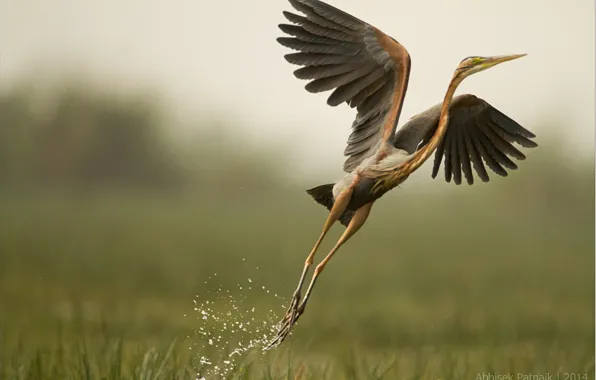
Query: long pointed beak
(492, 61)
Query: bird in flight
(369, 70)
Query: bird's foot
(294, 311)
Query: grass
(108, 357)
(462, 282)
(438, 287)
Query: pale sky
(210, 57)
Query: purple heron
(369, 70)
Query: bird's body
(393, 158)
(369, 70)
(362, 192)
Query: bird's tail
(323, 195)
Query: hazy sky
(207, 57)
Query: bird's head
(473, 65)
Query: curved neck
(420, 156)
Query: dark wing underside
(354, 59)
(477, 134)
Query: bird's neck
(421, 155)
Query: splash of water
(229, 326)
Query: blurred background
(145, 146)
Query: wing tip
(313, 88)
(286, 28)
(333, 102)
(293, 17)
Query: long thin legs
(358, 220)
(339, 206)
(296, 309)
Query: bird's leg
(357, 221)
(339, 206)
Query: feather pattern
(358, 63)
(477, 135)
(329, 83)
(325, 71)
(311, 47)
(306, 36)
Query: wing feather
(377, 100)
(306, 36)
(500, 143)
(319, 30)
(325, 71)
(368, 91)
(313, 47)
(349, 90)
(362, 66)
(455, 160)
(316, 59)
(464, 156)
(484, 152)
(494, 152)
(340, 80)
(447, 154)
(336, 15)
(438, 158)
(511, 137)
(313, 16)
(477, 135)
(476, 160)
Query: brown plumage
(364, 67)
(369, 71)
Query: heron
(369, 70)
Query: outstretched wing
(364, 67)
(476, 132)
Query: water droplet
(228, 325)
